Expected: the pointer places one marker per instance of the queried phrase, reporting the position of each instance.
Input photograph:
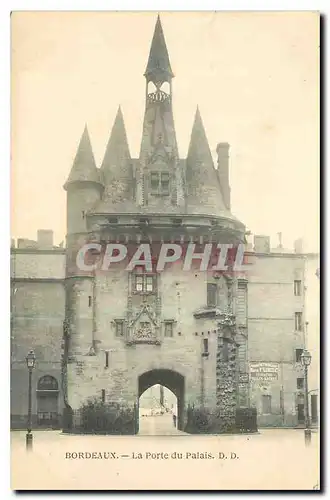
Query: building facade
(220, 340)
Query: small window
(168, 329)
(297, 287)
(266, 404)
(139, 283)
(149, 283)
(103, 396)
(144, 283)
(300, 383)
(83, 214)
(165, 183)
(106, 359)
(119, 328)
(298, 321)
(160, 183)
(212, 294)
(154, 181)
(225, 354)
(89, 300)
(298, 355)
(206, 346)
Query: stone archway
(174, 381)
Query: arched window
(47, 383)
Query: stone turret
(84, 186)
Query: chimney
(45, 239)
(223, 171)
(298, 246)
(261, 244)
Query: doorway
(161, 391)
(47, 402)
(301, 413)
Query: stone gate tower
(126, 330)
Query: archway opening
(161, 402)
(158, 410)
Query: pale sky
(255, 77)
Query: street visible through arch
(161, 403)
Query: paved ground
(272, 459)
(159, 425)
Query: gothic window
(143, 282)
(160, 183)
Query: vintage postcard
(165, 251)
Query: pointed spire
(84, 167)
(204, 193)
(117, 171)
(117, 151)
(159, 67)
(199, 146)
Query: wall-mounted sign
(264, 371)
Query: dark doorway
(301, 413)
(172, 381)
(47, 402)
(314, 408)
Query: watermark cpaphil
(218, 257)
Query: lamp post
(30, 362)
(306, 359)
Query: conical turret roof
(158, 67)
(203, 188)
(117, 151)
(84, 167)
(116, 171)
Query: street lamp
(30, 362)
(306, 359)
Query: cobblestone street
(274, 458)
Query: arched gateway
(167, 378)
(131, 320)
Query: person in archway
(174, 419)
